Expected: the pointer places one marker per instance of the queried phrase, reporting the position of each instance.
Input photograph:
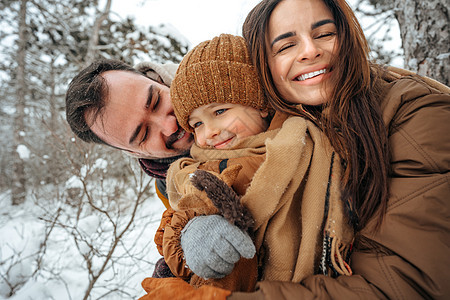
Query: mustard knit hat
(215, 71)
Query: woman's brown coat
(409, 257)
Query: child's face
(222, 125)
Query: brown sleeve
(378, 275)
(314, 287)
(172, 251)
(165, 219)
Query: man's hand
(212, 246)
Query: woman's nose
(309, 50)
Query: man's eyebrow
(282, 36)
(147, 105)
(150, 96)
(321, 23)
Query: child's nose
(211, 131)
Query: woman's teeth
(311, 75)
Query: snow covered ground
(41, 259)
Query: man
(130, 109)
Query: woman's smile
(306, 76)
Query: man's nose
(167, 124)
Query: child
(215, 95)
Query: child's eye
(220, 111)
(196, 124)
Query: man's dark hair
(87, 91)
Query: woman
(312, 59)
(389, 130)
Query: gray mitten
(212, 246)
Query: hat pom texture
(215, 71)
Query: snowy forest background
(77, 220)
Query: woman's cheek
(280, 72)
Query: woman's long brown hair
(353, 121)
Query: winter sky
(200, 20)
(197, 20)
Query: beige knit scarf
(294, 198)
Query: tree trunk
(424, 28)
(52, 97)
(18, 187)
(53, 164)
(93, 40)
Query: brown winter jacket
(409, 257)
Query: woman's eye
(284, 48)
(327, 34)
(220, 111)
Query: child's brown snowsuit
(210, 194)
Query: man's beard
(174, 138)
(175, 152)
